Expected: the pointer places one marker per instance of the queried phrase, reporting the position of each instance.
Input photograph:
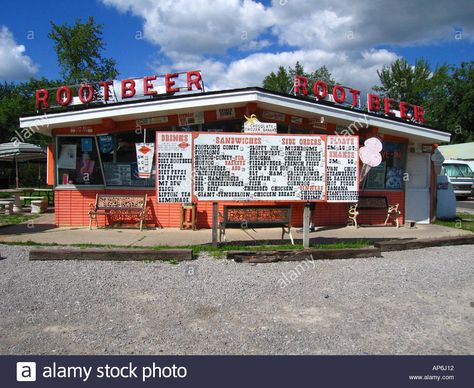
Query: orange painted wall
(72, 207)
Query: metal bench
(256, 217)
(110, 205)
(373, 203)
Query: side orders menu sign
(240, 167)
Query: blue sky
(236, 43)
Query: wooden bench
(109, 205)
(373, 203)
(256, 217)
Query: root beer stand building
(246, 146)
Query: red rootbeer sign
(374, 102)
(64, 94)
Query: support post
(306, 216)
(214, 224)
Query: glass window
(119, 157)
(458, 170)
(78, 161)
(389, 174)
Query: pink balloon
(374, 144)
(369, 157)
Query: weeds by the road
(14, 219)
(463, 221)
(215, 251)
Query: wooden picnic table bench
(114, 204)
(260, 216)
(373, 203)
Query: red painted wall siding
(72, 207)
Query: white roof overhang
(206, 101)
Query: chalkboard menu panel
(259, 167)
(174, 166)
(126, 174)
(376, 177)
(342, 168)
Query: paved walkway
(43, 230)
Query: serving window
(109, 160)
(389, 174)
(78, 161)
(119, 158)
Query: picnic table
(35, 192)
(16, 196)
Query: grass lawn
(215, 251)
(463, 221)
(14, 219)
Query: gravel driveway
(412, 302)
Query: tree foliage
(450, 102)
(79, 54)
(17, 100)
(79, 51)
(404, 82)
(283, 80)
(447, 93)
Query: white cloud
(358, 70)
(14, 65)
(218, 36)
(348, 24)
(198, 26)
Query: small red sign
(144, 150)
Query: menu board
(376, 177)
(342, 168)
(126, 174)
(118, 174)
(259, 167)
(174, 166)
(256, 167)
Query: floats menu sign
(342, 168)
(174, 167)
(244, 167)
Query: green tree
(283, 80)
(404, 82)
(79, 50)
(279, 82)
(450, 102)
(17, 100)
(447, 93)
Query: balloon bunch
(370, 156)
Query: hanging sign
(152, 120)
(145, 153)
(225, 113)
(274, 116)
(253, 125)
(191, 118)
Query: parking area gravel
(411, 302)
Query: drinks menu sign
(244, 167)
(174, 166)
